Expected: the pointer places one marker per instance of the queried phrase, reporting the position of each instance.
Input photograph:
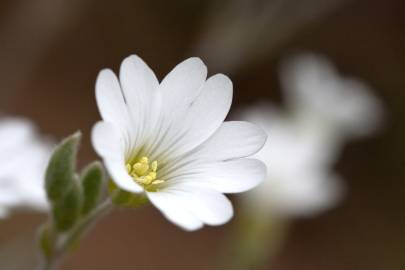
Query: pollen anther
(143, 172)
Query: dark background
(50, 54)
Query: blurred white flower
(170, 141)
(299, 182)
(23, 159)
(316, 91)
(324, 110)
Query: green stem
(63, 242)
(254, 242)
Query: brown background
(365, 39)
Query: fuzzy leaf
(66, 211)
(45, 240)
(61, 168)
(91, 179)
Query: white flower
(169, 140)
(299, 180)
(323, 110)
(317, 91)
(23, 159)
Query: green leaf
(66, 211)
(61, 168)
(46, 240)
(91, 179)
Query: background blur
(51, 52)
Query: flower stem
(62, 243)
(254, 242)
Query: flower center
(144, 172)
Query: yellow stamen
(154, 166)
(140, 168)
(152, 175)
(157, 182)
(144, 173)
(128, 166)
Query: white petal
(313, 86)
(140, 87)
(14, 132)
(120, 176)
(210, 206)
(209, 110)
(204, 117)
(16, 135)
(305, 195)
(10, 195)
(174, 211)
(183, 84)
(106, 141)
(178, 90)
(234, 139)
(176, 93)
(109, 146)
(21, 147)
(236, 176)
(110, 100)
(228, 177)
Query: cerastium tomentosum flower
(163, 142)
(323, 110)
(168, 141)
(300, 182)
(23, 157)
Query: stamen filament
(144, 173)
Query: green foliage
(45, 239)
(62, 187)
(92, 179)
(74, 200)
(66, 210)
(61, 169)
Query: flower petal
(183, 84)
(106, 141)
(174, 211)
(110, 100)
(314, 88)
(236, 175)
(228, 177)
(140, 86)
(108, 145)
(234, 139)
(176, 93)
(14, 132)
(120, 176)
(210, 206)
(308, 194)
(204, 117)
